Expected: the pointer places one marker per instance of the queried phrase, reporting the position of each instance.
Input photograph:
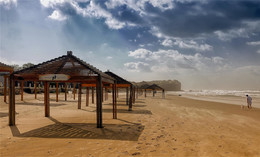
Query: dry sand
(175, 126)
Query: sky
(205, 44)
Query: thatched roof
(6, 68)
(119, 80)
(66, 64)
(154, 87)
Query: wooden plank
(88, 85)
(92, 95)
(113, 99)
(11, 101)
(127, 96)
(46, 99)
(5, 88)
(66, 85)
(57, 91)
(130, 99)
(115, 112)
(35, 89)
(99, 101)
(74, 90)
(122, 85)
(21, 90)
(79, 97)
(87, 96)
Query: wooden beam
(21, 90)
(99, 101)
(136, 92)
(133, 95)
(115, 110)
(79, 97)
(87, 96)
(35, 89)
(11, 101)
(113, 99)
(106, 93)
(130, 99)
(92, 95)
(145, 93)
(57, 91)
(46, 99)
(74, 90)
(102, 94)
(153, 93)
(5, 87)
(127, 96)
(66, 85)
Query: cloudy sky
(205, 44)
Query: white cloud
(253, 43)
(234, 33)
(173, 59)
(57, 15)
(188, 44)
(8, 3)
(53, 3)
(138, 66)
(139, 53)
(139, 5)
(258, 51)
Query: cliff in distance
(168, 85)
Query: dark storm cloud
(194, 18)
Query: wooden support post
(131, 99)
(35, 89)
(136, 92)
(66, 85)
(79, 97)
(92, 95)
(133, 95)
(114, 101)
(46, 99)
(145, 93)
(102, 95)
(127, 95)
(117, 95)
(57, 91)
(74, 90)
(99, 101)
(87, 96)
(5, 87)
(153, 93)
(163, 94)
(11, 100)
(22, 90)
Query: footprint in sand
(136, 153)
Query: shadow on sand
(129, 112)
(39, 104)
(126, 132)
(3, 114)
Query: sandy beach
(175, 126)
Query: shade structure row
(67, 69)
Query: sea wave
(240, 93)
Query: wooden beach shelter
(154, 88)
(143, 88)
(5, 70)
(67, 69)
(122, 83)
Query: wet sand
(175, 126)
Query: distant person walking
(249, 101)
